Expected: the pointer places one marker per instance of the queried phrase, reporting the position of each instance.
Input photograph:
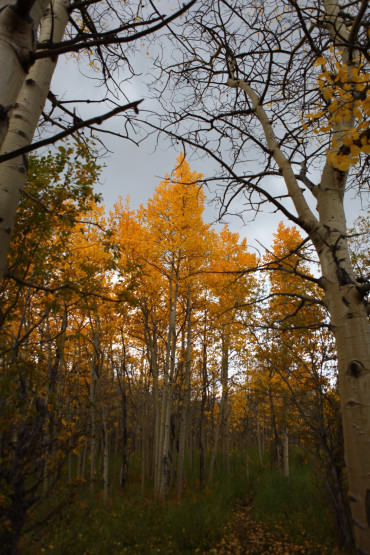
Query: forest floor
(264, 515)
(245, 535)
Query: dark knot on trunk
(355, 368)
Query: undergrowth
(134, 523)
(297, 504)
(139, 524)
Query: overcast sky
(135, 171)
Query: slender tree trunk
(162, 462)
(222, 422)
(275, 440)
(185, 405)
(258, 432)
(124, 445)
(157, 412)
(225, 408)
(202, 405)
(286, 452)
(215, 444)
(286, 438)
(144, 451)
(247, 457)
(150, 465)
(247, 444)
(84, 460)
(167, 392)
(54, 366)
(105, 456)
(79, 464)
(96, 368)
(93, 434)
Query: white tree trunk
(105, 454)
(16, 46)
(222, 422)
(24, 118)
(160, 462)
(157, 413)
(351, 329)
(225, 406)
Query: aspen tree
(167, 240)
(24, 118)
(38, 407)
(230, 293)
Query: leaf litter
(246, 535)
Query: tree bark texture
(351, 329)
(16, 46)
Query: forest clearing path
(245, 535)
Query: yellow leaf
(357, 113)
(355, 150)
(340, 162)
(347, 140)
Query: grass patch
(135, 524)
(296, 504)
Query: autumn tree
(166, 240)
(187, 294)
(277, 95)
(37, 433)
(229, 295)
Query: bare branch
(72, 129)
